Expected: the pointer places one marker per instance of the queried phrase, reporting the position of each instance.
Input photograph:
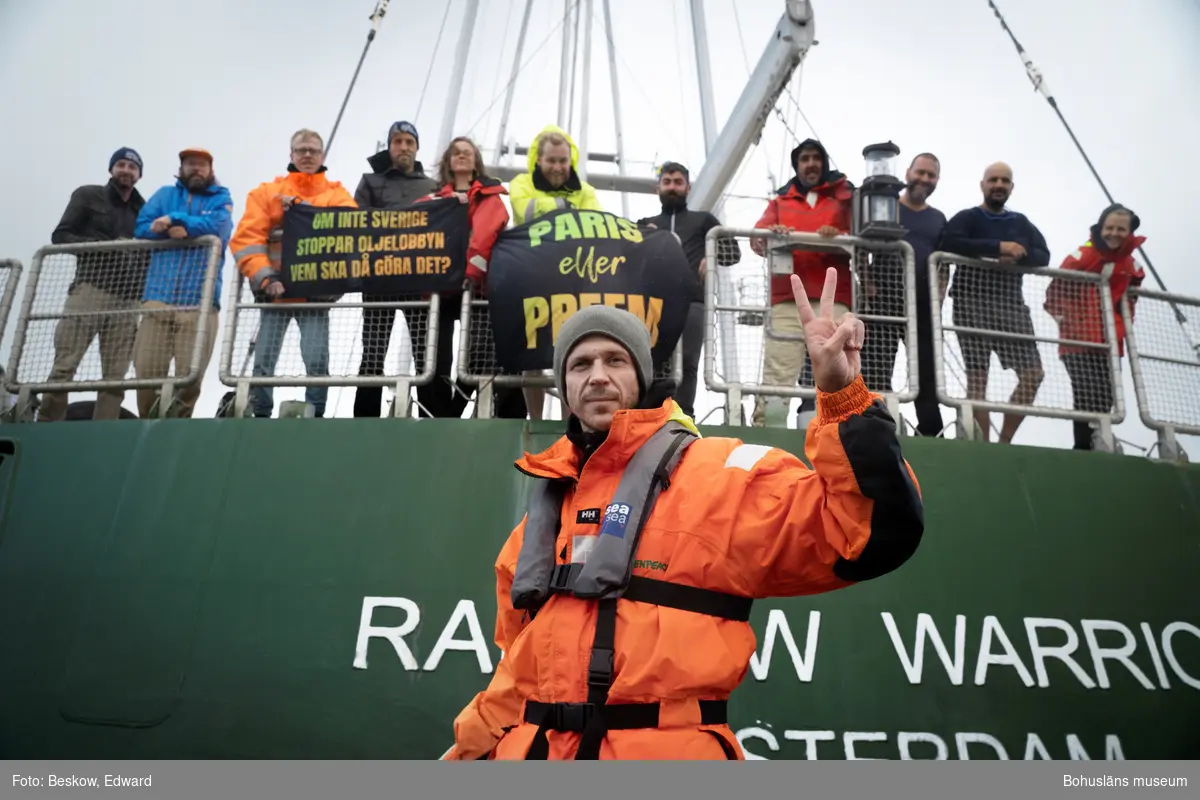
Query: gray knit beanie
(618, 325)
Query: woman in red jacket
(461, 174)
(1076, 307)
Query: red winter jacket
(1076, 305)
(487, 218)
(827, 204)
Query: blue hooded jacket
(176, 277)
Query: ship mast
(458, 74)
(724, 148)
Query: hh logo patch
(616, 517)
(588, 516)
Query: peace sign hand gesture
(834, 347)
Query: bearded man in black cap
(106, 283)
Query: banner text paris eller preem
(544, 271)
(328, 252)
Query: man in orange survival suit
(586, 675)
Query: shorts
(1014, 354)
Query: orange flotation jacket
(624, 593)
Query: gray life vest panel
(606, 576)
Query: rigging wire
(785, 163)
(800, 111)
(683, 105)
(738, 176)
(376, 20)
(1039, 85)
(521, 69)
(737, 21)
(574, 66)
(774, 183)
(667, 129)
(499, 67)
(804, 117)
(433, 58)
(787, 127)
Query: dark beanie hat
(127, 153)
(403, 126)
(615, 323)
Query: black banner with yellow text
(542, 272)
(415, 249)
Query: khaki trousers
(74, 336)
(783, 359)
(166, 335)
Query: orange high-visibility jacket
(742, 519)
(255, 251)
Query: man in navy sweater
(992, 299)
(924, 224)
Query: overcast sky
(82, 79)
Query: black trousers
(441, 397)
(1091, 387)
(692, 342)
(377, 324)
(879, 357)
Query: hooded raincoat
(531, 194)
(808, 209)
(1076, 305)
(741, 519)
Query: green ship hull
(302, 590)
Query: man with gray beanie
(624, 593)
(107, 283)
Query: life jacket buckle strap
(562, 578)
(600, 668)
(571, 716)
(664, 479)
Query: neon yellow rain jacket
(531, 195)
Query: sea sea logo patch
(616, 517)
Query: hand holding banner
(542, 272)
(419, 248)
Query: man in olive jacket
(109, 283)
